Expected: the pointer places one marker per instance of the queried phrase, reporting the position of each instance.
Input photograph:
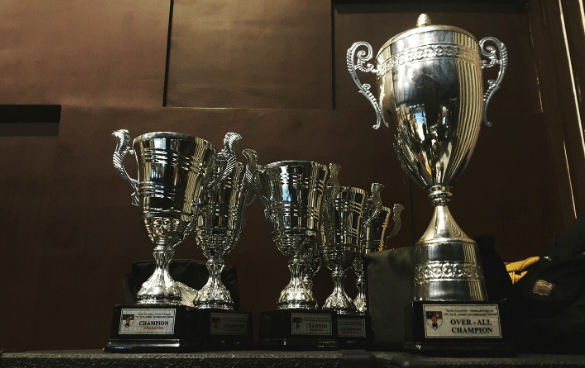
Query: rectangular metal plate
(228, 324)
(469, 321)
(310, 324)
(351, 327)
(146, 321)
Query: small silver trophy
(341, 230)
(430, 84)
(372, 240)
(219, 225)
(173, 174)
(292, 192)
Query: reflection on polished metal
(173, 170)
(292, 192)
(340, 233)
(430, 85)
(372, 240)
(219, 225)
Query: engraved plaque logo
(434, 319)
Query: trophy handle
(122, 137)
(252, 178)
(226, 158)
(397, 223)
(376, 201)
(490, 53)
(333, 182)
(364, 89)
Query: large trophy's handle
(490, 53)
(397, 222)
(252, 175)
(122, 149)
(375, 201)
(364, 89)
(226, 158)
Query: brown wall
(264, 70)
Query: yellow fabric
(519, 268)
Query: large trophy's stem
(339, 301)
(448, 266)
(160, 288)
(296, 295)
(360, 300)
(214, 295)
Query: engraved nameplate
(228, 324)
(475, 321)
(351, 327)
(142, 321)
(310, 324)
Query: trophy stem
(339, 301)
(448, 265)
(214, 295)
(296, 295)
(160, 288)
(360, 299)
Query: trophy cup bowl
(219, 225)
(173, 170)
(430, 85)
(340, 242)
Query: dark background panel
(252, 54)
(83, 53)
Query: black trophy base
(177, 329)
(298, 330)
(355, 332)
(457, 329)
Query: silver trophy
(341, 230)
(373, 239)
(173, 174)
(219, 225)
(430, 83)
(292, 192)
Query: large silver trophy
(292, 192)
(174, 172)
(219, 225)
(430, 83)
(372, 239)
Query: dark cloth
(190, 272)
(390, 287)
(547, 305)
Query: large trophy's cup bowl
(341, 237)
(173, 169)
(292, 192)
(219, 225)
(430, 84)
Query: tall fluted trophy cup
(430, 84)
(219, 225)
(173, 174)
(292, 193)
